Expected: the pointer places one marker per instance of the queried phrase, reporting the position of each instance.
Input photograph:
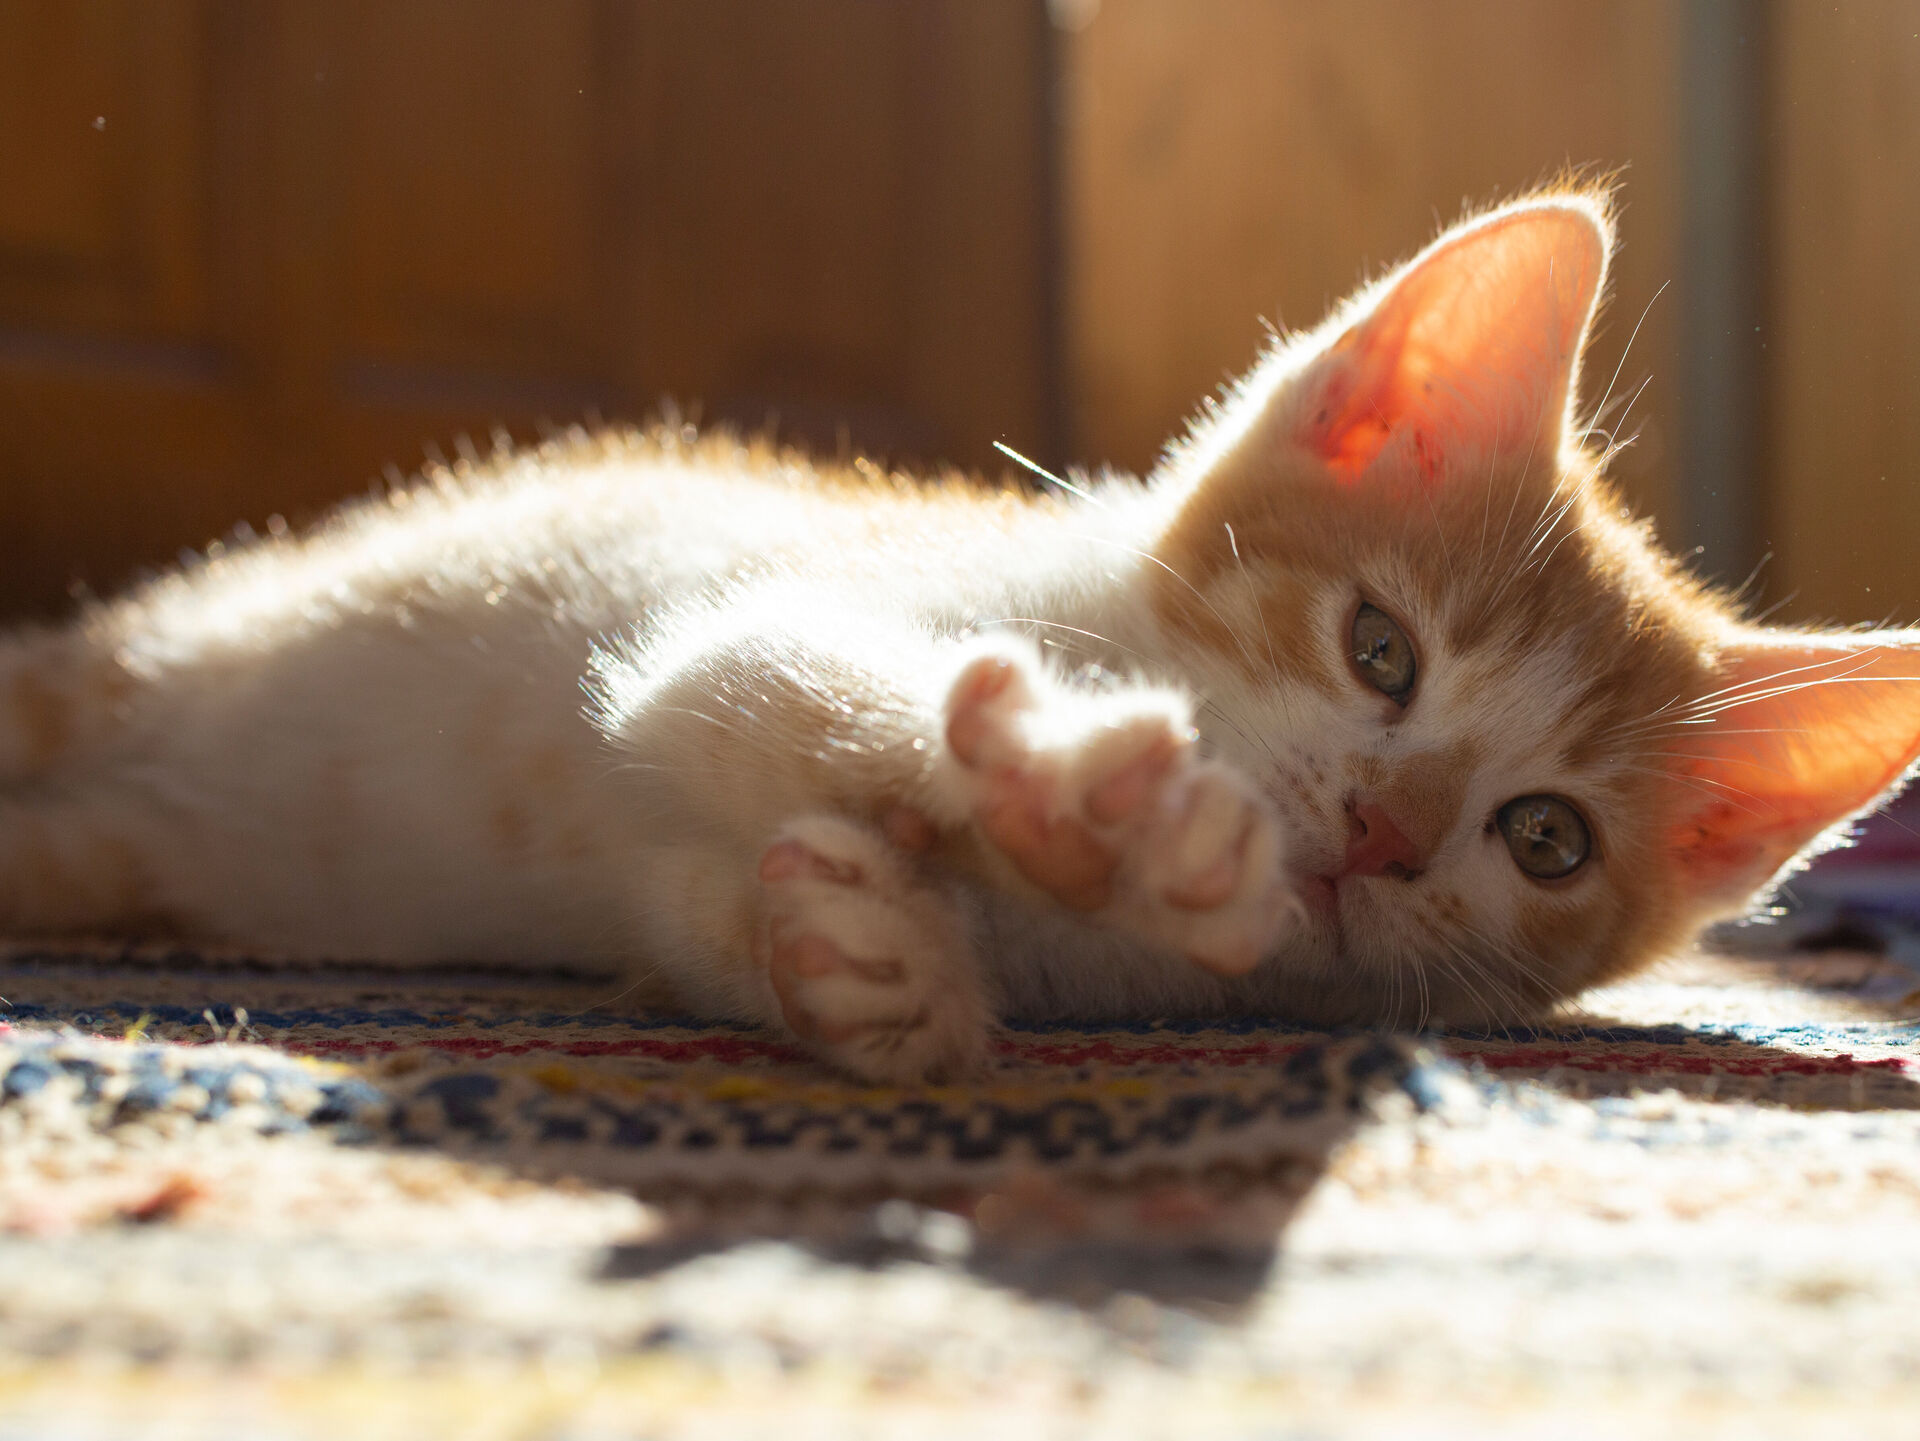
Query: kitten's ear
(1809, 731)
(1471, 350)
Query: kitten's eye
(1382, 653)
(1546, 835)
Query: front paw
(866, 964)
(1104, 802)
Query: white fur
(372, 742)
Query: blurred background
(255, 253)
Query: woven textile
(254, 1199)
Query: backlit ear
(1809, 731)
(1470, 351)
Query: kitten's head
(1519, 751)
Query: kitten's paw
(1103, 802)
(867, 965)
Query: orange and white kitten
(1369, 705)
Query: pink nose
(1376, 846)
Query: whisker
(1600, 409)
(1255, 739)
(1704, 784)
(1463, 983)
(1252, 595)
(1040, 470)
(1850, 678)
(1740, 591)
(1501, 991)
(1486, 499)
(1519, 485)
(1446, 551)
(1541, 565)
(1058, 625)
(1777, 676)
(1531, 968)
(1260, 615)
(1149, 556)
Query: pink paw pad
(1104, 802)
(862, 960)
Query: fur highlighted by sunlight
(1369, 705)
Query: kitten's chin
(1321, 896)
(1321, 935)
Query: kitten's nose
(1376, 846)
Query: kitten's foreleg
(867, 959)
(759, 717)
(1103, 801)
(774, 756)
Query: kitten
(1369, 705)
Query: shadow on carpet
(1706, 1184)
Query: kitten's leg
(763, 749)
(740, 720)
(1103, 802)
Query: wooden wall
(253, 251)
(1228, 160)
(1844, 372)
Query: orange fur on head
(1418, 453)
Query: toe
(972, 726)
(1119, 795)
(1058, 855)
(1209, 889)
(787, 860)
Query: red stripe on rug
(742, 1048)
(734, 1049)
(1642, 1063)
(1159, 1053)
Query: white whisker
(1047, 475)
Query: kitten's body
(830, 784)
(370, 741)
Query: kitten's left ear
(1808, 731)
(1471, 350)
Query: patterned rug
(244, 1199)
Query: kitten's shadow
(1600, 1057)
(1185, 1261)
(1214, 1278)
